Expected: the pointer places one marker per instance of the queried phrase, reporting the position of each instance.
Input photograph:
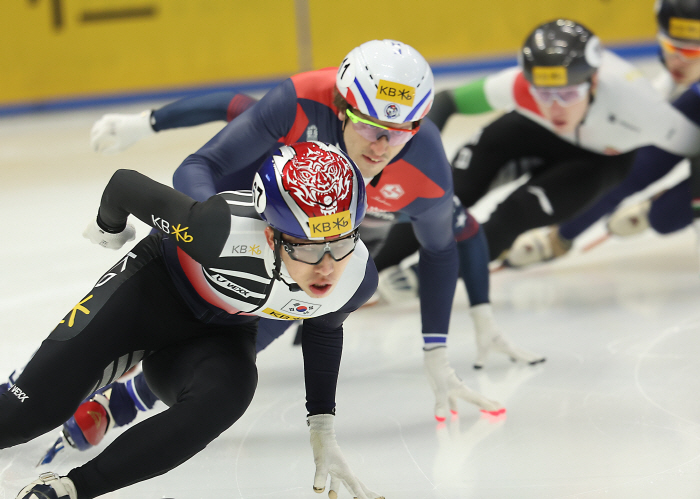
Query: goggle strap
(276, 270)
(277, 239)
(356, 119)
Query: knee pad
(629, 220)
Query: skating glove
(329, 460)
(115, 132)
(96, 235)
(489, 339)
(448, 387)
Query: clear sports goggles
(313, 253)
(671, 46)
(565, 96)
(373, 131)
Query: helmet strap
(591, 93)
(277, 239)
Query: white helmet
(387, 80)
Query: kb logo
(329, 225)
(338, 224)
(396, 92)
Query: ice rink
(613, 413)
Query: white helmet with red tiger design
(387, 80)
(310, 190)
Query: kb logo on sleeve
(330, 225)
(395, 92)
(178, 231)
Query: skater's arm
(238, 144)
(115, 132)
(437, 268)
(322, 345)
(490, 93)
(192, 111)
(198, 228)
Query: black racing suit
(196, 356)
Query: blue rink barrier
(440, 69)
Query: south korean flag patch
(301, 308)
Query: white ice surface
(613, 413)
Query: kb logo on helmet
(684, 28)
(329, 225)
(549, 76)
(396, 92)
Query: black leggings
(134, 312)
(564, 178)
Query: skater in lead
(189, 306)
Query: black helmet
(560, 53)
(679, 19)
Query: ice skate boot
(85, 429)
(115, 405)
(630, 220)
(537, 245)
